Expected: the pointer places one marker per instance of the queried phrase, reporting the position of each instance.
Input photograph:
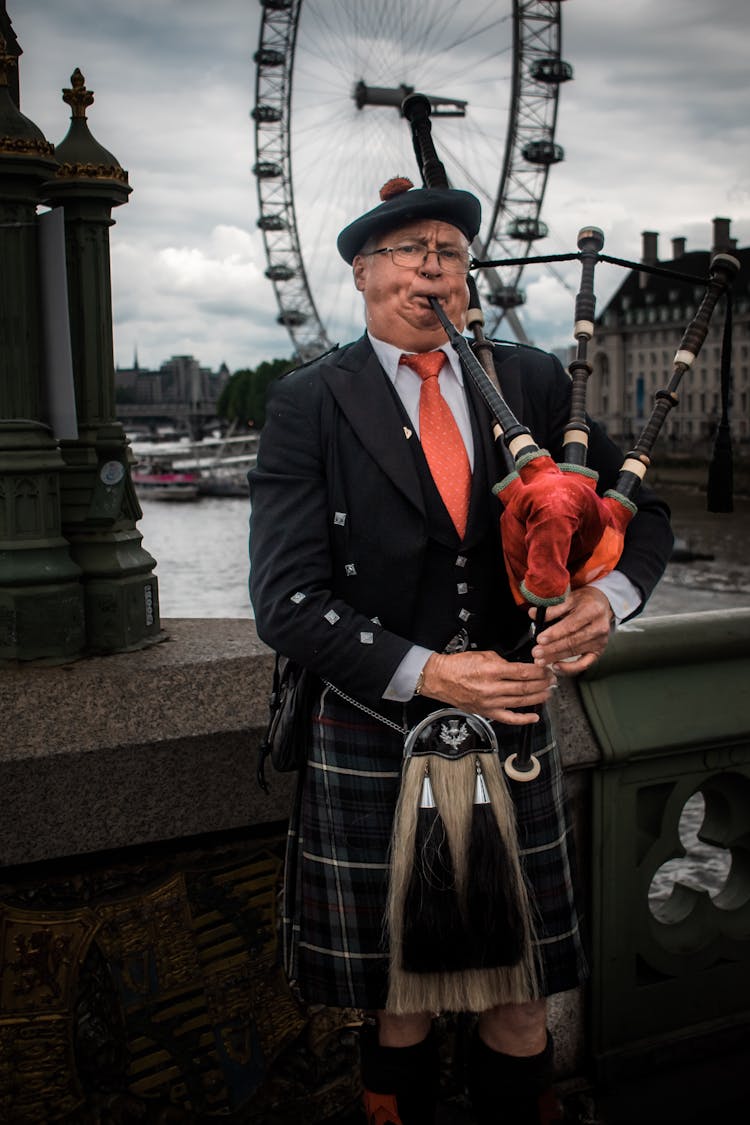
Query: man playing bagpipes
(377, 564)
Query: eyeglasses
(411, 255)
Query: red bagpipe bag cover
(558, 533)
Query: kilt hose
(337, 861)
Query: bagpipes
(460, 922)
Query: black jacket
(338, 527)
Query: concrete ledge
(207, 676)
(144, 746)
(155, 745)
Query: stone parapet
(137, 747)
(153, 745)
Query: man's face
(396, 297)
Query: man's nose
(426, 267)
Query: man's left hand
(576, 632)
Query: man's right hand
(482, 683)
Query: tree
(243, 399)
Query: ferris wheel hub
(393, 97)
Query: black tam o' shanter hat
(403, 203)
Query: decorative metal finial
(77, 96)
(79, 155)
(7, 62)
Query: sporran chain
(361, 706)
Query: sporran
(459, 920)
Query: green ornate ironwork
(668, 706)
(100, 510)
(41, 597)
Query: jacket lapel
(360, 387)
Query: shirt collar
(389, 355)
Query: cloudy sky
(655, 128)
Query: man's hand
(579, 635)
(485, 684)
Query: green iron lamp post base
(41, 597)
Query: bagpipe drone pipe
(454, 835)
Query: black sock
(507, 1088)
(409, 1073)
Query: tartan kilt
(336, 873)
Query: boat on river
(186, 470)
(224, 481)
(161, 480)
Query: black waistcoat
(464, 600)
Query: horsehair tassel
(494, 963)
(724, 269)
(431, 931)
(576, 439)
(494, 914)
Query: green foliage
(243, 399)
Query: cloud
(212, 295)
(654, 127)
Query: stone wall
(128, 749)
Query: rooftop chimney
(650, 251)
(649, 254)
(678, 247)
(722, 237)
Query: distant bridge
(195, 419)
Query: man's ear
(358, 269)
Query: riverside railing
(669, 709)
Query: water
(703, 868)
(721, 582)
(201, 552)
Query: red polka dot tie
(441, 439)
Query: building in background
(180, 379)
(181, 396)
(639, 331)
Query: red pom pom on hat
(397, 186)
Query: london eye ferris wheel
(329, 81)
